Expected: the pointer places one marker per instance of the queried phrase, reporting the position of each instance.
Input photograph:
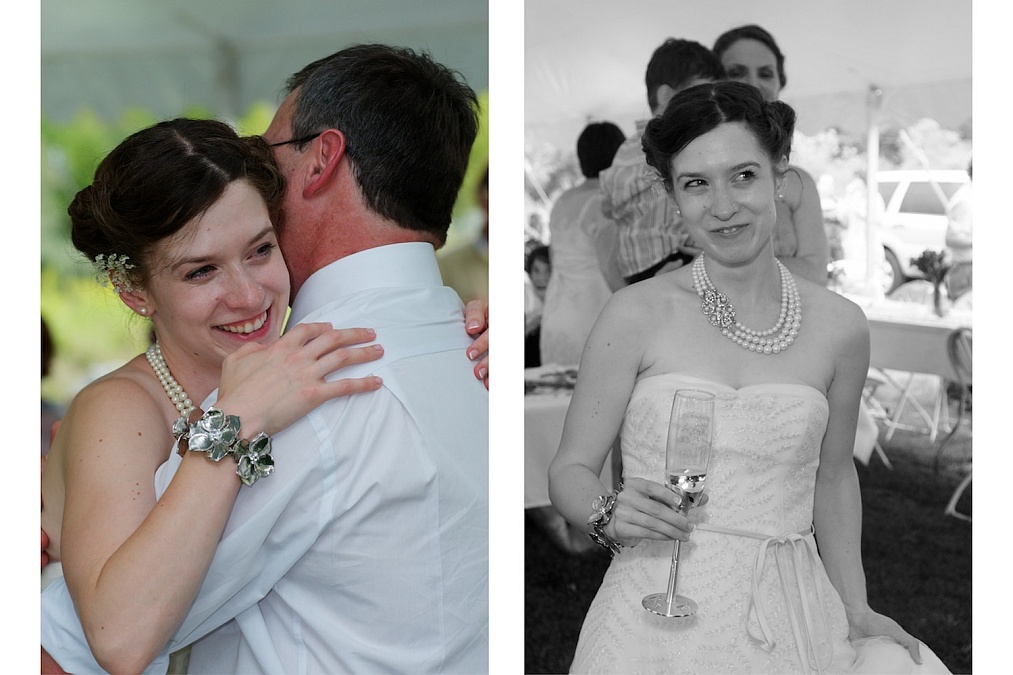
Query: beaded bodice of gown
(765, 450)
(762, 476)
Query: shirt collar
(393, 266)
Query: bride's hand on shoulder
(476, 322)
(273, 386)
(873, 624)
(645, 509)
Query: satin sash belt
(795, 548)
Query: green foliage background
(92, 330)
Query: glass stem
(673, 575)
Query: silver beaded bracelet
(601, 514)
(217, 435)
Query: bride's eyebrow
(745, 165)
(196, 260)
(260, 235)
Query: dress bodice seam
(733, 392)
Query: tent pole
(874, 103)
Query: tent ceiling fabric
(585, 61)
(225, 54)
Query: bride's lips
(245, 327)
(729, 230)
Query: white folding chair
(917, 291)
(951, 506)
(875, 410)
(959, 348)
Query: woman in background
(585, 271)
(749, 54)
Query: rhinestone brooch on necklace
(721, 313)
(176, 394)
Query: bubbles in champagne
(689, 482)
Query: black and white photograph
(748, 337)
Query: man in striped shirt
(649, 230)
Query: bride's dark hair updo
(159, 179)
(695, 111)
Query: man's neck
(399, 265)
(348, 238)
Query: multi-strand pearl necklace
(719, 310)
(176, 394)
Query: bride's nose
(244, 290)
(723, 204)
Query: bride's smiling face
(724, 185)
(219, 283)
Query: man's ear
(663, 96)
(327, 155)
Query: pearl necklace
(721, 313)
(176, 394)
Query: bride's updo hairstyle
(159, 179)
(695, 111)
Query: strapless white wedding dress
(765, 602)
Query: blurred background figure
(466, 268)
(537, 271)
(958, 239)
(749, 54)
(585, 270)
(51, 411)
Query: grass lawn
(917, 562)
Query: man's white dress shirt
(367, 549)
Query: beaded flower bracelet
(601, 515)
(217, 435)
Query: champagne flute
(687, 456)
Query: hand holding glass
(687, 457)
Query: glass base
(658, 603)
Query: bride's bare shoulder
(649, 295)
(834, 314)
(128, 379)
(634, 313)
(127, 393)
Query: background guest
(537, 270)
(649, 230)
(466, 269)
(51, 411)
(585, 270)
(749, 54)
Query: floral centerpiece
(935, 265)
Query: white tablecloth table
(910, 337)
(544, 413)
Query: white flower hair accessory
(114, 268)
(654, 180)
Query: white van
(915, 217)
